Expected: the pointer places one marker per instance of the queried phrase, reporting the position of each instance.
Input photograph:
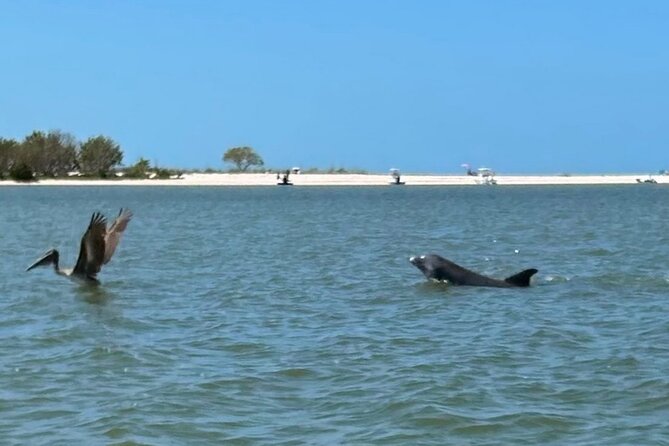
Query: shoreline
(306, 179)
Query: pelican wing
(92, 251)
(113, 234)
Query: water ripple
(265, 316)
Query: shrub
(21, 172)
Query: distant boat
(284, 181)
(395, 174)
(485, 176)
(469, 170)
(650, 180)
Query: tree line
(55, 153)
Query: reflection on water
(93, 293)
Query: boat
(395, 174)
(482, 175)
(485, 176)
(650, 180)
(284, 180)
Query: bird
(98, 245)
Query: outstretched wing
(113, 234)
(92, 251)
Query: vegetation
(49, 154)
(59, 154)
(163, 173)
(139, 170)
(56, 154)
(99, 155)
(143, 169)
(8, 148)
(21, 172)
(333, 170)
(242, 158)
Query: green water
(288, 316)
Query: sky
(535, 86)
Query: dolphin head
(420, 263)
(429, 265)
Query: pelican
(97, 248)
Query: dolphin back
(522, 279)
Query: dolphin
(438, 268)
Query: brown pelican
(97, 248)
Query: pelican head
(49, 257)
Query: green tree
(139, 169)
(32, 152)
(62, 153)
(242, 158)
(21, 172)
(8, 153)
(99, 155)
(50, 154)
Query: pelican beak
(46, 259)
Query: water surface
(292, 316)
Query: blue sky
(520, 86)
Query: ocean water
(290, 316)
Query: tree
(32, 152)
(21, 172)
(8, 154)
(62, 153)
(139, 169)
(243, 158)
(51, 154)
(99, 155)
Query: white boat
(485, 176)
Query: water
(286, 316)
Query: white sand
(269, 179)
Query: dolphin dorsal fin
(522, 278)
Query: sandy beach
(269, 179)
